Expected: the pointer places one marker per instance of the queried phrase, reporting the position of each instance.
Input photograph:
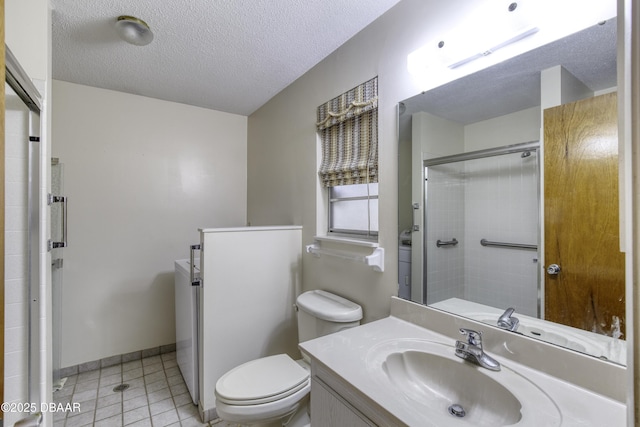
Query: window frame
(369, 234)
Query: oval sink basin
(448, 390)
(441, 383)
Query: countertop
(346, 355)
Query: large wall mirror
(508, 196)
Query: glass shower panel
(16, 250)
(496, 199)
(444, 202)
(24, 249)
(57, 235)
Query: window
(353, 209)
(348, 129)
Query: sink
(546, 333)
(460, 388)
(448, 390)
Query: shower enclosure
(22, 352)
(482, 227)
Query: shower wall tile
(495, 199)
(502, 205)
(445, 221)
(15, 291)
(15, 218)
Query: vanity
(402, 371)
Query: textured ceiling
(226, 55)
(514, 85)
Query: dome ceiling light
(133, 30)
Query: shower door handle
(414, 226)
(63, 200)
(195, 280)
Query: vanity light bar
(526, 32)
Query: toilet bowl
(274, 390)
(263, 390)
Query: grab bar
(59, 199)
(451, 242)
(485, 242)
(195, 281)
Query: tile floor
(157, 396)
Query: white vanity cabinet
(353, 383)
(335, 403)
(329, 408)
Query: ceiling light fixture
(526, 32)
(133, 30)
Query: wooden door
(581, 216)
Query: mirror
(479, 195)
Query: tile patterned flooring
(156, 397)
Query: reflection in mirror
(500, 197)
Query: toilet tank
(322, 313)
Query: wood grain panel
(581, 215)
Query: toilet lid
(261, 380)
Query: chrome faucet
(507, 321)
(473, 352)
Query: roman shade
(348, 128)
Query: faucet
(506, 321)
(473, 352)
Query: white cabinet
(328, 409)
(336, 403)
(250, 276)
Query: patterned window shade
(348, 127)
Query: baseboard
(116, 360)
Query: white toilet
(274, 390)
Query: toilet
(274, 390)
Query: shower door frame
(21, 84)
(474, 155)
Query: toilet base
(300, 418)
(290, 414)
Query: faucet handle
(473, 337)
(508, 321)
(508, 312)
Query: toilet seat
(265, 412)
(262, 381)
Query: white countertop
(250, 228)
(587, 342)
(346, 353)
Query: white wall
(283, 154)
(141, 176)
(28, 35)
(515, 128)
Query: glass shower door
(22, 350)
(482, 229)
(58, 220)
